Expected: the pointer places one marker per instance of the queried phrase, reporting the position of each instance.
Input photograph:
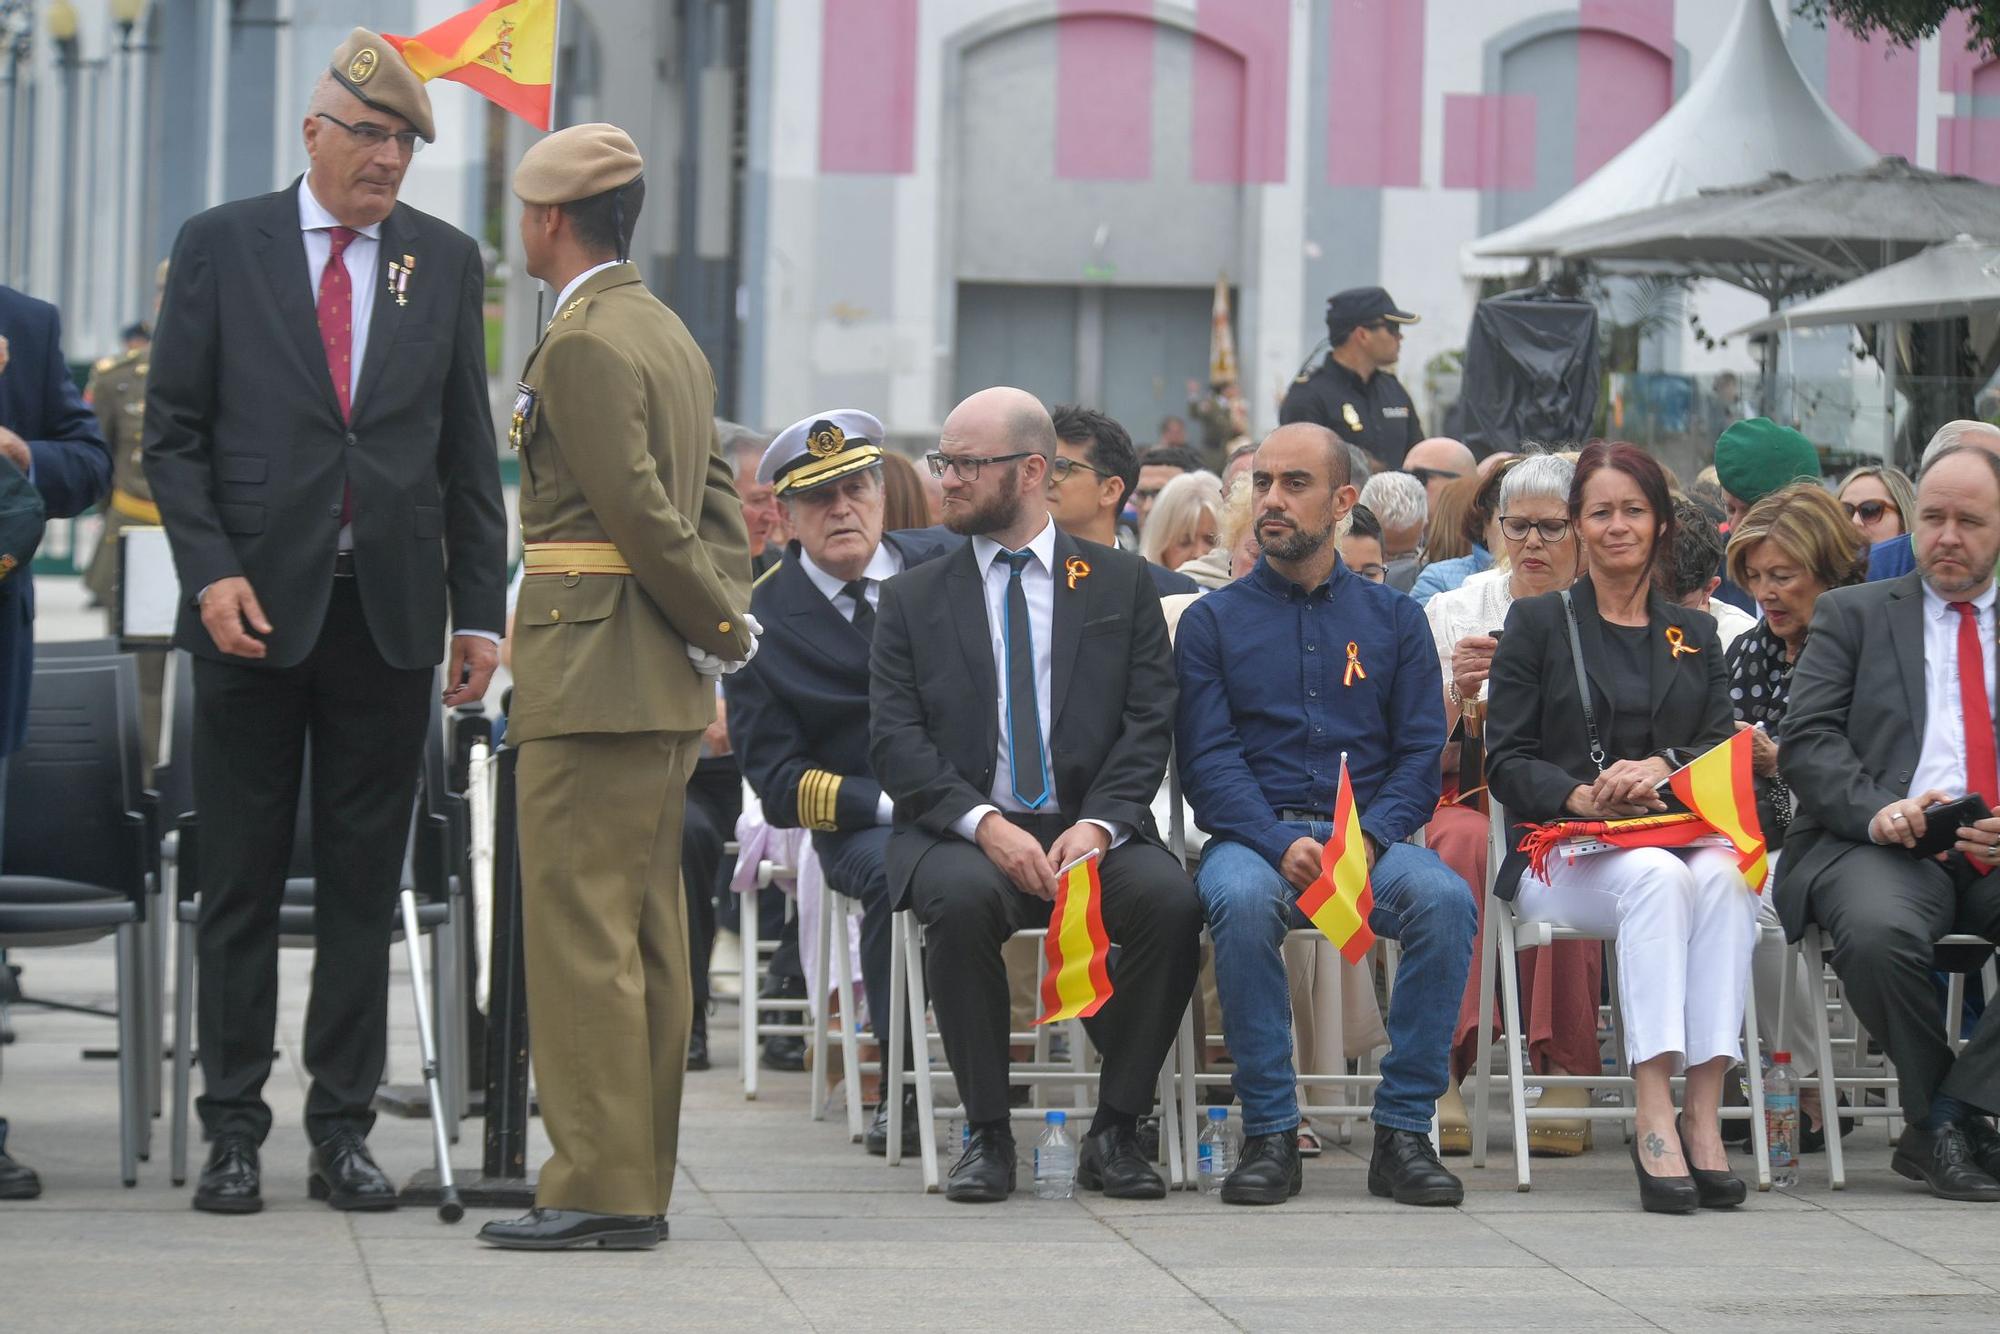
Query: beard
(994, 514)
(1294, 543)
(1952, 584)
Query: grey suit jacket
(1853, 730)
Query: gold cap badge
(362, 68)
(825, 440)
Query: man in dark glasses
(1353, 393)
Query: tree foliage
(1909, 21)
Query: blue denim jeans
(1419, 903)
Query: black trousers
(969, 909)
(365, 720)
(714, 800)
(1883, 913)
(854, 868)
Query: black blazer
(1537, 748)
(248, 457)
(935, 701)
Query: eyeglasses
(1060, 468)
(1429, 475)
(372, 137)
(1517, 528)
(1868, 511)
(967, 466)
(1374, 574)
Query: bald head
(1443, 461)
(996, 448)
(1002, 420)
(1293, 438)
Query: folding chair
(835, 911)
(757, 953)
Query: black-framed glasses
(372, 137)
(1868, 511)
(967, 466)
(1373, 572)
(1516, 528)
(1060, 468)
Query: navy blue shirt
(1268, 703)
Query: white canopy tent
(1958, 278)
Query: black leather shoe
(573, 1229)
(229, 1182)
(1980, 1137)
(877, 1138)
(1944, 1161)
(1112, 1162)
(17, 1180)
(698, 1043)
(1713, 1190)
(341, 1171)
(1270, 1172)
(984, 1173)
(1664, 1195)
(1405, 1168)
(784, 1054)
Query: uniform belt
(573, 558)
(135, 508)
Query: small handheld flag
(1719, 787)
(504, 50)
(1338, 903)
(1078, 979)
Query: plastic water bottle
(1055, 1161)
(1781, 1119)
(1216, 1153)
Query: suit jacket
(621, 448)
(248, 456)
(1853, 730)
(934, 698)
(70, 465)
(1537, 748)
(798, 714)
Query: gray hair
(1981, 435)
(1539, 476)
(1396, 499)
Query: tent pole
(1889, 357)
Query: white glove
(709, 664)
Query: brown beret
(577, 163)
(376, 72)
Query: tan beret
(577, 163)
(376, 72)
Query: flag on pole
(1338, 903)
(1718, 786)
(504, 50)
(1077, 981)
(1221, 338)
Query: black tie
(864, 615)
(1024, 719)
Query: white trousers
(1684, 927)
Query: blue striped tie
(1024, 719)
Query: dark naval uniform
(1376, 414)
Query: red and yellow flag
(1338, 903)
(504, 50)
(1718, 787)
(1078, 979)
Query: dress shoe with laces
(1943, 1160)
(17, 1180)
(1113, 1162)
(229, 1181)
(341, 1171)
(984, 1173)
(575, 1229)
(1713, 1190)
(1269, 1172)
(1984, 1142)
(877, 1138)
(1405, 1168)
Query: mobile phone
(1942, 823)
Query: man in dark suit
(800, 709)
(1892, 712)
(1022, 709)
(1091, 480)
(47, 433)
(320, 445)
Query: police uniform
(635, 557)
(1375, 413)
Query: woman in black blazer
(1683, 920)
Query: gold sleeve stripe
(758, 582)
(819, 791)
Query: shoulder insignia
(574, 306)
(104, 364)
(758, 582)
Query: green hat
(1756, 457)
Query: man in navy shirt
(1281, 673)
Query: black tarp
(1530, 373)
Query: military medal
(399, 278)
(522, 425)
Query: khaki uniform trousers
(609, 1003)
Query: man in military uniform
(637, 573)
(800, 712)
(1353, 394)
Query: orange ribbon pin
(1076, 567)
(1678, 642)
(1354, 667)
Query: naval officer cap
(581, 162)
(376, 72)
(825, 447)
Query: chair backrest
(75, 648)
(70, 808)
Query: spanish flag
(504, 50)
(1338, 903)
(1078, 979)
(1718, 787)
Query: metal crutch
(450, 1210)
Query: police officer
(637, 573)
(1353, 394)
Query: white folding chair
(835, 911)
(756, 955)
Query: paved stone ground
(779, 1223)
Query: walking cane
(450, 1210)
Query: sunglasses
(1868, 511)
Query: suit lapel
(387, 315)
(1067, 625)
(1665, 666)
(282, 252)
(968, 613)
(1906, 632)
(817, 622)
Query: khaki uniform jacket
(620, 447)
(117, 394)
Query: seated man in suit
(800, 709)
(1282, 673)
(1022, 701)
(1892, 712)
(1895, 557)
(1091, 478)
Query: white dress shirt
(1941, 762)
(360, 261)
(886, 563)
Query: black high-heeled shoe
(1664, 1195)
(1714, 1190)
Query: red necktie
(1982, 773)
(336, 334)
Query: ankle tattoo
(1655, 1145)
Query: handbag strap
(1583, 683)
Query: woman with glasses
(1879, 501)
(1559, 983)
